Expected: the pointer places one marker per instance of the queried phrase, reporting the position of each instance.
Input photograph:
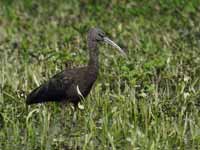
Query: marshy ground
(151, 100)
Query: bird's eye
(101, 34)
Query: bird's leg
(63, 106)
(76, 105)
(74, 118)
(74, 109)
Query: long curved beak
(109, 41)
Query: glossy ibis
(71, 84)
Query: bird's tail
(37, 96)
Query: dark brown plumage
(65, 86)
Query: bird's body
(64, 86)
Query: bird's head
(97, 35)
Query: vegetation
(150, 100)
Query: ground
(149, 100)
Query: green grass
(148, 101)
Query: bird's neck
(93, 55)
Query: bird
(73, 84)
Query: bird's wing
(53, 90)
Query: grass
(148, 101)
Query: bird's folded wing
(53, 90)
